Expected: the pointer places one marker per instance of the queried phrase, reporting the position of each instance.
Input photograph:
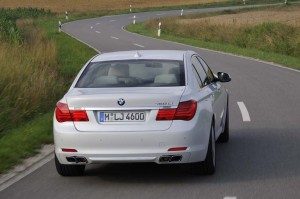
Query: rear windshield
(132, 73)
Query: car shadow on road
(250, 155)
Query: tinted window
(208, 71)
(132, 73)
(202, 74)
(197, 77)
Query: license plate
(122, 116)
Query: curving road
(262, 159)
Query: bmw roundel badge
(121, 101)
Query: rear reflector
(68, 150)
(177, 149)
(63, 114)
(185, 111)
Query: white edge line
(98, 32)
(139, 45)
(244, 111)
(220, 52)
(114, 37)
(23, 174)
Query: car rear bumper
(145, 146)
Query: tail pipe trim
(170, 158)
(77, 159)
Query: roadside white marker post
(67, 17)
(181, 12)
(285, 2)
(159, 30)
(130, 8)
(244, 2)
(134, 19)
(59, 26)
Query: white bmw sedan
(156, 106)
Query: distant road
(262, 159)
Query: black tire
(208, 166)
(224, 136)
(69, 170)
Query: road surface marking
(161, 14)
(244, 111)
(98, 24)
(98, 32)
(114, 37)
(230, 197)
(92, 27)
(139, 45)
(112, 20)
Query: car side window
(208, 71)
(197, 77)
(202, 74)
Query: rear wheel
(69, 170)
(208, 166)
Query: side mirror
(223, 77)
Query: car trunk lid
(107, 112)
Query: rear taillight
(166, 114)
(185, 111)
(63, 114)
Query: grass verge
(23, 142)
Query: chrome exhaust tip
(170, 158)
(77, 159)
(176, 158)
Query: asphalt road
(262, 159)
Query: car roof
(141, 54)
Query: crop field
(95, 5)
(286, 15)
